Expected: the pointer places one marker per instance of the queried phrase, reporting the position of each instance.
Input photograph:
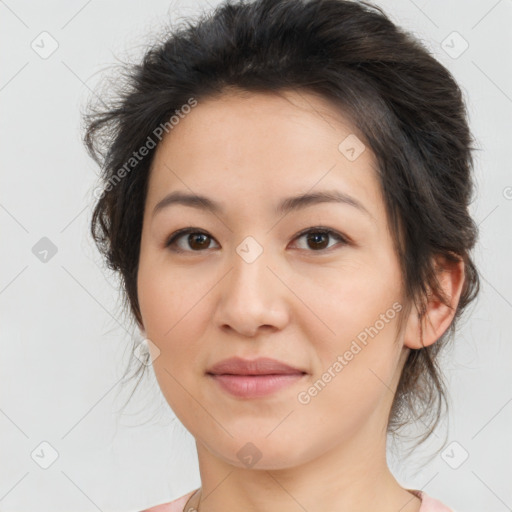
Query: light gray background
(64, 343)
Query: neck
(351, 476)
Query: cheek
(167, 294)
(346, 298)
(172, 312)
(172, 294)
(173, 316)
(355, 342)
(354, 378)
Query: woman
(285, 195)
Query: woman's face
(254, 285)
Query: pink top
(428, 504)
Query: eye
(198, 240)
(318, 237)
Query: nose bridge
(250, 275)
(251, 294)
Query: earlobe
(438, 316)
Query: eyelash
(171, 242)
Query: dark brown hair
(406, 105)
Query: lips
(260, 366)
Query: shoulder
(429, 504)
(172, 506)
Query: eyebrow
(287, 205)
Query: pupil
(315, 238)
(193, 238)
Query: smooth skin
(302, 301)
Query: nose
(252, 297)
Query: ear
(438, 316)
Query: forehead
(265, 146)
